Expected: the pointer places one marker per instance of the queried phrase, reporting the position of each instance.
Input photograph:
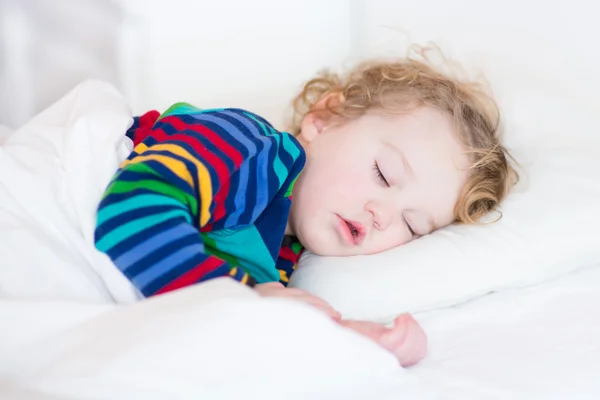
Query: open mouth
(353, 229)
(352, 232)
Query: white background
(257, 54)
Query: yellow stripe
(233, 271)
(178, 167)
(140, 148)
(244, 279)
(283, 276)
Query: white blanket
(71, 327)
(52, 174)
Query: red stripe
(145, 123)
(287, 254)
(221, 169)
(212, 136)
(207, 228)
(193, 275)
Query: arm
(150, 217)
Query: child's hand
(406, 339)
(276, 289)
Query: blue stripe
(114, 223)
(168, 263)
(136, 226)
(150, 245)
(245, 121)
(132, 203)
(165, 174)
(218, 272)
(233, 219)
(270, 134)
(159, 253)
(251, 188)
(242, 189)
(291, 145)
(280, 169)
(235, 132)
(134, 240)
(174, 273)
(262, 175)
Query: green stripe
(179, 108)
(296, 247)
(186, 108)
(131, 228)
(210, 246)
(154, 186)
(253, 256)
(266, 131)
(136, 202)
(280, 169)
(290, 188)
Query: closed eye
(380, 176)
(410, 229)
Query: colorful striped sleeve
(180, 180)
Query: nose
(382, 215)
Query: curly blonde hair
(403, 85)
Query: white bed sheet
(541, 342)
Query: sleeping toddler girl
(381, 156)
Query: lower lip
(344, 231)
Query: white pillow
(548, 229)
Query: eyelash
(410, 229)
(380, 176)
(384, 182)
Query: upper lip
(359, 230)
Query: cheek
(387, 240)
(339, 178)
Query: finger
(404, 319)
(293, 292)
(415, 346)
(273, 285)
(322, 305)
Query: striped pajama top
(204, 194)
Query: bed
(511, 310)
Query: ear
(320, 117)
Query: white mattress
(63, 336)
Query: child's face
(342, 205)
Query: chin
(320, 248)
(317, 249)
